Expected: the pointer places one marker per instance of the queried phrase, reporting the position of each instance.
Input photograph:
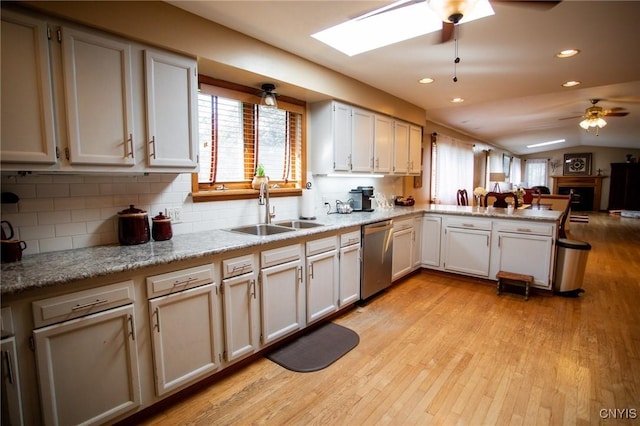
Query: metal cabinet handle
(311, 270)
(132, 333)
(184, 282)
(299, 270)
(253, 288)
(156, 312)
(90, 304)
(153, 145)
(130, 141)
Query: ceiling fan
(594, 116)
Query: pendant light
(268, 97)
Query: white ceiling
(508, 75)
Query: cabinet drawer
(525, 228)
(402, 224)
(280, 255)
(322, 245)
(350, 238)
(69, 306)
(237, 266)
(159, 285)
(468, 223)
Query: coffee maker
(361, 197)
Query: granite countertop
(54, 268)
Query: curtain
(535, 173)
(516, 171)
(453, 169)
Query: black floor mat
(317, 349)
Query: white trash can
(571, 262)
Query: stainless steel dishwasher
(377, 245)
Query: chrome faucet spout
(263, 200)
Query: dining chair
(499, 199)
(463, 199)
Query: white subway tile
(37, 232)
(52, 190)
(52, 218)
(85, 215)
(69, 203)
(69, 229)
(36, 205)
(84, 189)
(55, 244)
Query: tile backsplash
(60, 212)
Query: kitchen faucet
(263, 200)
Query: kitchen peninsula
(64, 303)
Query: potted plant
(259, 177)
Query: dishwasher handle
(378, 227)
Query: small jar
(161, 228)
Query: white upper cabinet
(351, 139)
(408, 148)
(362, 140)
(76, 99)
(28, 134)
(383, 146)
(98, 91)
(171, 92)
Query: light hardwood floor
(441, 349)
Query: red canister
(161, 228)
(133, 226)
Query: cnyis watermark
(619, 413)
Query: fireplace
(582, 199)
(587, 190)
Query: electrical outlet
(175, 213)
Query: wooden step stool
(512, 278)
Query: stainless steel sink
(299, 224)
(262, 229)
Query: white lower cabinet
(350, 267)
(467, 246)
(183, 316)
(88, 367)
(431, 232)
(11, 396)
(240, 306)
(282, 292)
(402, 248)
(416, 242)
(525, 248)
(322, 278)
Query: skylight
(374, 30)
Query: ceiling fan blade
(533, 4)
(571, 118)
(615, 114)
(447, 31)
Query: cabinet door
(183, 331)
(401, 147)
(322, 285)
(362, 142)
(341, 137)
(467, 251)
(241, 321)
(88, 368)
(383, 146)
(402, 252)
(349, 274)
(526, 254)
(415, 150)
(416, 236)
(11, 397)
(27, 101)
(98, 90)
(431, 227)
(171, 91)
(282, 300)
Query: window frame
(202, 192)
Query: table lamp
(497, 178)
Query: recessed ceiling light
(426, 80)
(567, 53)
(545, 143)
(457, 100)
(570, 83)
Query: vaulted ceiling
(508, 76)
